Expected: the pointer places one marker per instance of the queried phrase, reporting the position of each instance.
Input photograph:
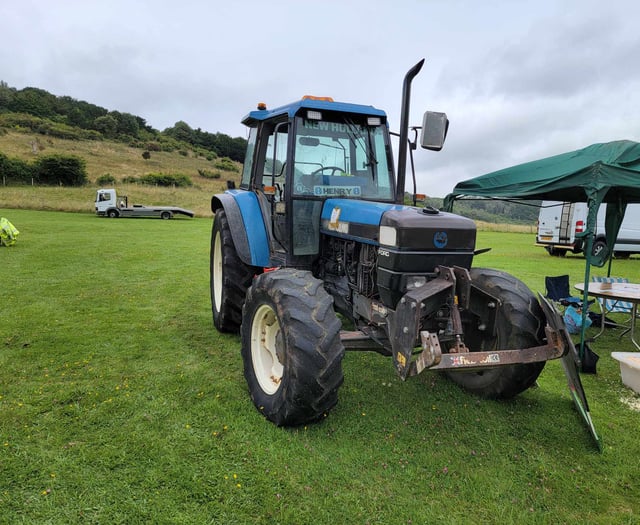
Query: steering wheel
(326, 168)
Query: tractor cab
(301, 154)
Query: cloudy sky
(519, 80)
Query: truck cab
(107, 202)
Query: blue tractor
(317, 237)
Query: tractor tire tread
(521, 325)
(313, 350)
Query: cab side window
(248, 158)
(276, 159)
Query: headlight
(388, 235)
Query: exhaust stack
(404, 130)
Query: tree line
(62, 116)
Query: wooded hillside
(41, 112)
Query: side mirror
(434, 130)
(599, 254)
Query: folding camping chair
(557, 289)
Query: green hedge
(166, 179)
(42, 126)
(15, 171)
(51, 170)
(63, 170)
(207, 174)
(226, 164)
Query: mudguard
(247, 225)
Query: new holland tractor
(317, 237)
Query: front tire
(291, 347)
(229, 277)
(519, 324)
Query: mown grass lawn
(119, 403)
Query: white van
(558, 223)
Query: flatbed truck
(109, 204)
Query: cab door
(274, 186)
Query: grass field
(119, 403)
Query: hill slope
(120, 161)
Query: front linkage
(454, 287)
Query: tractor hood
(354, 219)
(412, 229)
(404, 228)
(412, 242)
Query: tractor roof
(310, 103)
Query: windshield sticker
(336, 127)
(339, 191)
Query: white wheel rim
(217, 272)
(266, 365)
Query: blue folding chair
(557, 289)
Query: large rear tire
(519, 324)
(230, 277)
(291, 347)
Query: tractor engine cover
(419, 240)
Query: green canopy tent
(607, 172)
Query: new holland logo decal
(440, 239)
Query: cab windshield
(342, 157)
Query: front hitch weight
(404, 323)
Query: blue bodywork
(353, 216)
(358, 211)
